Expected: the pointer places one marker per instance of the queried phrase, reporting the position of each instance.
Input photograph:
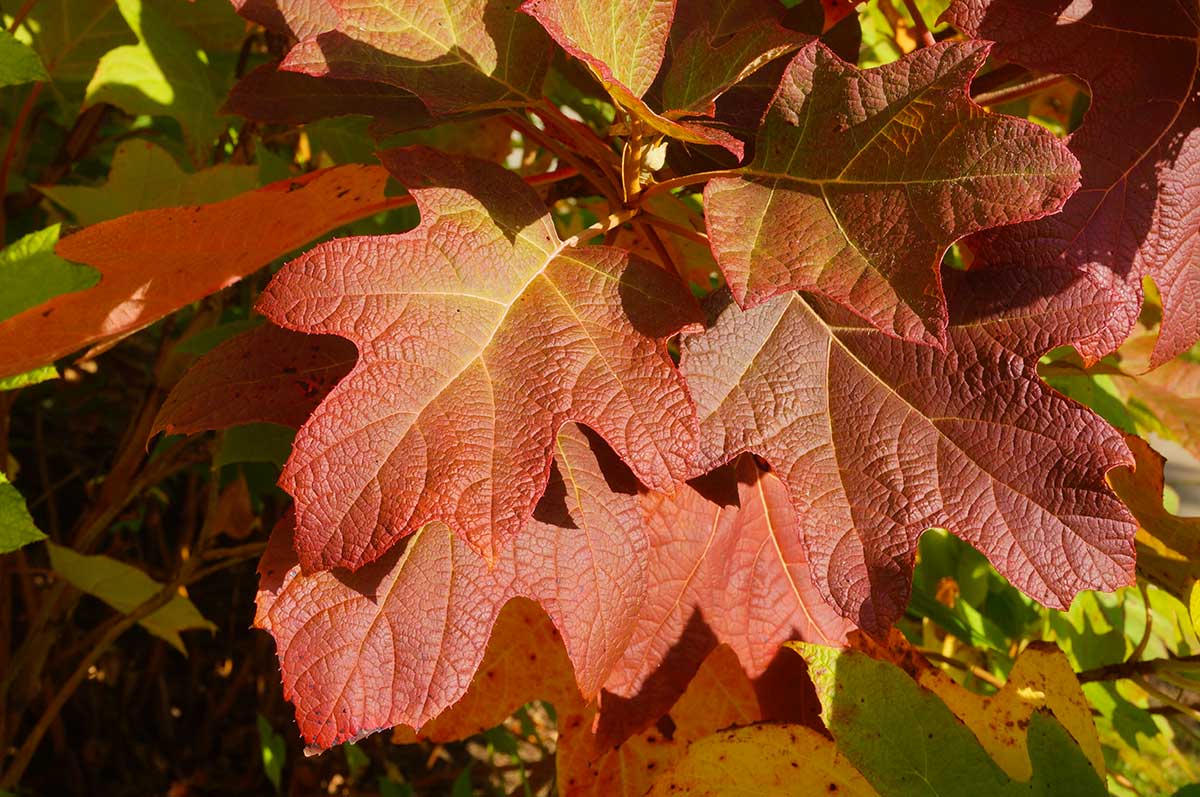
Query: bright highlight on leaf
(154, 262)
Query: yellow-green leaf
(124, 588)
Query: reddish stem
(22, 12)
(11, 150)
(1010, 93)
(922, 29)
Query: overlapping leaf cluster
(719, 417)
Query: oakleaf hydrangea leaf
(479, 334)
(878, 439)
(1138, 208)
(862, 179)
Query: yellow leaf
(757, 760)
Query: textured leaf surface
(16, 525)
(1138, 208)
(265, 375)
(479, 334)
(144, 176)
(125, 587)
(624, 48)
(458, 56)
(878, 440)
(154, 262)
(400, 640)
(729, 567)
(715, 44)
(763, 759)
(301, 19)
(1168, 545)
(862, 179)
(906, 741)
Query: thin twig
(681, 182)
(117, 626)
(1163, 697)
(1136, 655)
(657, 244)
(676, 229)
(583, 168)
(19, 17)
(1010, 93)
(978, 672)
(923, 33)
(1134, 669)
(14, 136)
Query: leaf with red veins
(479, 334)
(265, 375)
(623, 42)
(297, 18)
(400, 640)
(726, 552)
(624, 47)
(1138, 208)
(862, 178)
(878, 439)
(716, 44)
(156, 261)
(459, 56)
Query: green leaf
(274, 752)
(164, 74)
(18, 62)
(30, 273)
(256, 442)
(145, 176)
(16, 525)
(906, 741)
(36, 376)
(72, 35)
(124, 588)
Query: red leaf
(878, 440)
(156, 261)
(1138, 209)
(400, 640)
(266, 375)
(715, 44)
(625, 48)
(479, 334)
(297, 18)
(457, 56)
(862, 179)
(728, 565)
(270, 95)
